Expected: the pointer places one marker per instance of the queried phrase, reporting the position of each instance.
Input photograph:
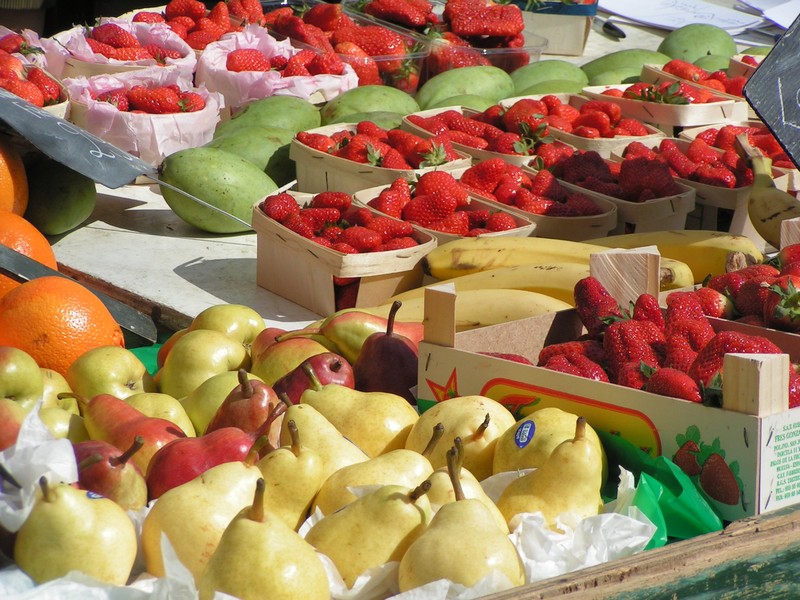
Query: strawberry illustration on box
(706, 465)
(251, 64)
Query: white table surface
(136, 249)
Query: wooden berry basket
(737, 67)
(603, 146)
(302, 271)
(321, 172)
(525, 225)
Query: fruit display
(718, 80)
(484, 374)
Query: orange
(13, 181)
(20, 235)
(55, 320)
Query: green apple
(202, 403)
(20, 378)
(163, 406)
(109, 370)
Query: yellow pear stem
(244, 381)
(482, 427)
(257, 509)
(47, 491)
(438, 432)
(297, 333)
(459, 446)
(454, 470)
(137, 444)
(285, 399)
(580, 428)
(254, 454)
(419, 491)
(82, 402)
(295, 435)
(314, 381)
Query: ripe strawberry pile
(675, 352)
(414, 14)
(378, 55)
(717, 80)
(438, 201)
(516, 134)
(699, 162)
(636, 178)
(388, 149)
(29, 83)
(304, 63)
(160, 100)
(541, 194)
(113, 41)
(193, 22)
(676, 92)
(759, 136)
(331, 220)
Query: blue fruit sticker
(524, 433)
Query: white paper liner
(240, 88)
(72, 42)
(32, 39)
(150, 137)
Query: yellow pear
(530, 442)
(163, 406)
(568, 481)
(373, 530)
(71, 529)
(376, 422)
(335, 450)
(258, 556)
(293, 475)
(461, 544)
(479, 421)
(401, 467)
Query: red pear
(106, 470)
(329, 367)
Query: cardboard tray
(525, 225)
(736, 67)
(756, 433)
(321, 172)
(302, 271)
(673, 115)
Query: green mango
(491, 83)
(757, 50)
(59, 199)
(713, 62)
(547, 70)
(465, 100)
(286, 112)
(367, 98)
(692, 41)
(265, 147)
(629, 58)
(382, 118)
(224, 180)
(616, 76)
(552, 86)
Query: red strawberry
(51, 92)
(298, 64)
(639, 175)
(677, 160)
(114, 35)
(714, 303)
(432, 152)
(24, 89)
(465, 139)
(247, 59)
(595, 306)
(184, 8)
(630, 126)
(686, 458)
(479, 18)
(400, 243)
(161, 54)
(358, 215)
(363, 64)
(672, 382)
(428, 209)
(715, 174)
(148, 16)
(500, 221)
(544, 183)
(782, 304)
(581, 166)
(375, 40)
(326, 63)
(221, 15)
(700, 152)
(576, 364)
(594, 119)
(753, 295)
(403, 13)
(485, 175)
(341, 201)
(316, 141)
(299, 224)
(442, 183)
(709, 360)
(718, 481)
(191, 101)
(633, 374)
(684, 69)
(117, 97)
(159, 101)
(456, 223)
(682, 305)
(390, 202)
(361, 238)
(328, 17)
(390, 228)
(646, 308)
(590, 348)
(279, 206)
(320, 217)
(131, 54)
(199, 39)
(583, 205)
(626, 341)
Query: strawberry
(485, 175)
(683, 305)
(753, 295)
(363, 64)
(509, 143)
(450, 51)
(583, 205)
(456, 223)
(576, 364)
(117, 97)
(247, 59)
(297, 29)
(714, 303)
(672, 382)
(390, 202)
(631, 126)
(161, 54)
(361, 238)
(580, 166)
(297, 66)
(303, 226)
(646, 308)
(279, 206)
(686, 458)
(26, 90)
(432, 152)
(629, 340)
(332, 233)
(100, 48)
(390, 228)
(191, 101)
(373, 130)
(500, 221)
(341, 201)
(184, 8)
(320, 217)
(12, 42)
(701, 152)
(478, 218)
(131, 54)
(206, 24)
(590, 348)
(465, 139)
(255, 12)
(358, 215)
(685, 70)
(676, 159)
(638, 175)
(479, 18)
(178, 28)
(114, 35)
(782, 304)
(148, 16)
(199, 39)
(51, 92)
(595, 306)
(326, 63)
(316, 141)
(595, 119)
(730, 283)
(715, 174)
(788, 254)
(328, 17)
(399, 243)
(442, 183)
(633, 374)
(401, 12)
(708, 363)
(428, 209)
(159, 101)
(375, 40)
(392, 159)
(221, 15)
(718, 481)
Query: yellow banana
(706, 252)
(555, 280)
(471, 255)
(768, 206)
(675, 274)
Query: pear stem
(438, 432)
(90, 460)
(255, 450)
(82, 402)
(392, 314)
(285, 399)
(137, 444)
(289, 335)
(47, 491)
(420, 490)
(295, 435)
(276, 411)
(244, 381)
(459, 446)
(482, 427)
(453, 469)
(580, 428)
(315, 383)
(257, 509)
